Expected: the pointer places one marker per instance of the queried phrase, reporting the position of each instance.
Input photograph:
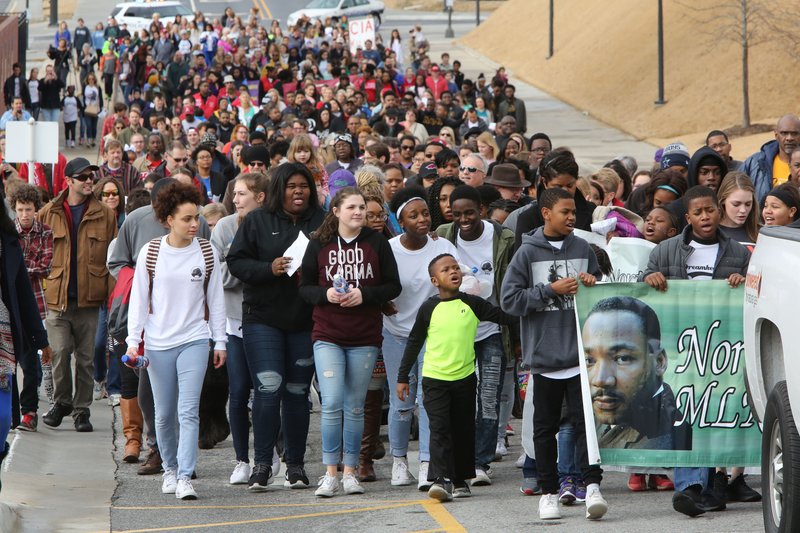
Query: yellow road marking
(443, 517)
(260, 506)
(297, 517)
(264, 8)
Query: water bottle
(340, 284)
(136, 361)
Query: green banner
(663, 375)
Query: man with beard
(154, 160)
(769, 167)
(633, 407)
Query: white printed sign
(361, 31)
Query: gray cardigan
(221, 239)
(671, 255)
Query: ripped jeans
(344, 373)
(491, 359)
(281, 366)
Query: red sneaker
(29, 422)
(637, 482)
(660, 482)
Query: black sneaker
(738, 491)
(296, 477)
(56, 414)
(689, 501)
(461, 489)
(442, 490)
(82, 424)
(261, 477)
(719, 486)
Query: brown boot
(132, 428)
(152, 465)
(371, 436)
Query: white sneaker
(328, 486)
(596, 505)
(351, 485)
(548, 507)
(241, 473)
(520, 461)
(113, 399)
(423, 483)
(185, 491)
(169, 482)
(482, 477)
(276, 463)
(400, 474)
(500, 451)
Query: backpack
(118, 302)
(153, 248)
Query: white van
(138, 15)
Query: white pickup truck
(772, 348)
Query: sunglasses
(257, 164)
(468, 169)
(180, 159)
(110, 194)
(406, 147)
(82, 177)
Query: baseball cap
(428, 170)
(78, 165)
(228, 79)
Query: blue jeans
(491, 367)
(281, 366)
(344, 374)
(105, 368)
(239, 386)
(685, 477)
(400, 412)
(176, 376)
(506, 399)
(567, 460)
(529, 468)
(50, 115)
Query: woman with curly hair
(439, 200)
(177, 337)
(302, 150)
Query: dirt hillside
(605, 62)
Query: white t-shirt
(178, 315)
(700, 264)
(412, 265)
(477, 255)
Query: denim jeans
(281, 366)
(239, 386)
(685, 477)
(567, 460)
(5, 410)
(105, 367)
(400, 412)
(506, 399)
(344, 373)
(50, 115)
(529, 468)
(491, 360)
(176, 376)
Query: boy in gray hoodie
(539, 286)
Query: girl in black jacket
(276, 322)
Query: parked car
(772, 351)
(138, 15)
(322, 9)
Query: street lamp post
(660, 100)
(53, 12)
(448, 33)
(550, 39)
(477, 12)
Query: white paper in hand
(296, 251)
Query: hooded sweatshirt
(702, 157)
(548, 332)
(366, 263)
(530, 219)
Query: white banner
(361, 31)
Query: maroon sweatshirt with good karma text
(367, 263)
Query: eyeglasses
(406, 146)
(374, 217)
(82, 177)
(540, 150)
(257, 164)
(179, 159)
(110, 194)
(468, 169)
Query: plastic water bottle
(340, 284)
(136, 361)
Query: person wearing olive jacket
(276, 322)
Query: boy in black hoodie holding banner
(539, 286)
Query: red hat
(435, 68)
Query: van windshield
(323, 4)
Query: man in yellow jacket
(77, 286)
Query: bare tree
(744, 22)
